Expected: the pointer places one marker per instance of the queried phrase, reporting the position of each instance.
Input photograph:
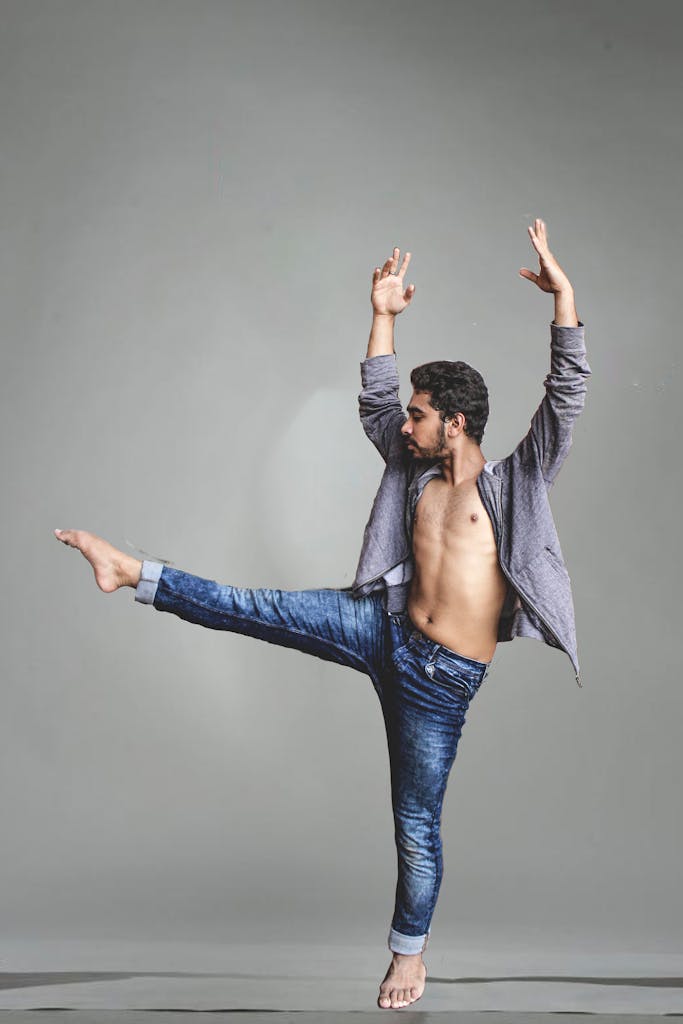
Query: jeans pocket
(455, 684)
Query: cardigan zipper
(521, 592)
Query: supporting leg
(431, 692)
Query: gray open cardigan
(514, 492)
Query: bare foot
(403, 983)
(113, 568)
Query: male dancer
(458, 554)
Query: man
(459, 553)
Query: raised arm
(379, 405)
(389, 298)
(550, 435)
(551, 277)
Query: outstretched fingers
(539, 236)
(404, 264)
(391, 264)
(389, 269)
(539, 239)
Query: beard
(437, 450)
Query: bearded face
(432, 447)
(424, 432)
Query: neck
(462, 464)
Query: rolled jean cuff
(149, 580)
(407, 944)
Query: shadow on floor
(316, 1017)
(29, 979)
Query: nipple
(474, 517)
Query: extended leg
(330, 624)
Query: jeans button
(429, 669)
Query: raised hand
(551, 277)
(388, 295)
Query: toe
(71, 537)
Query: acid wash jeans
(424, 691)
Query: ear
(456, 423)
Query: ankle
(130, 570)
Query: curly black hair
(455, 387)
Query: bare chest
(453, 515)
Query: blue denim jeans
(424, 691)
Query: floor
(116, 983)
(325, 1017)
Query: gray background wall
(193, 198)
